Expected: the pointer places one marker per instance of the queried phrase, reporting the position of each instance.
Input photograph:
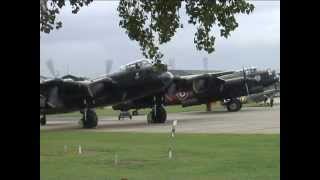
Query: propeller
(51, 68)
(68, 70)
(56, 74)
(109, 63)
(205, 63)
(53, 97)
(245, 81)
(95, 89)
(172, 63)
(277, 77)
(172, 89)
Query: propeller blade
(109, 64)
(51, 68)
(90, 92)
(245, 81)
(95, 89)
(57, 74)
(53, 98)
(172, 63)
(205, 63)
(85, 110)
(172, 89)
(42, 101)
(155, 106)
(244, 74)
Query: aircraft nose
(275, 77)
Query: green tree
(154, 22)
(49, 9)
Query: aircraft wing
(55, 91)
(101, 85)
(198, 72)
(212, 76)
(221, 73)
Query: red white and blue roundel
(182, 95)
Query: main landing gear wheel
(234, 105)
(157, 115)
(43, 120)
(89, 119)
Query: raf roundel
(182, 95)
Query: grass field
(143, 156)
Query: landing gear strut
(124, 114)
(209, 107)
(158, 113)
(135, 113)
(234, 105)
(43, 120)
(89, 119)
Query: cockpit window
(251, 70)
(140, 64)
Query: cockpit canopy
(251, 70)
(139, 64)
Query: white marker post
(173, 132)
(115, 159)
(170, 153)
(79, 149)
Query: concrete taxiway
(251, 120)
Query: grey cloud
(87, 39)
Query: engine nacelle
(42, 102)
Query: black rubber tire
(43, 121)
(160, 116)
(234, 105)
(91, 120)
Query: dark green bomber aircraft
(135, 80)
(206, 88)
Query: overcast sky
(92, 36)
